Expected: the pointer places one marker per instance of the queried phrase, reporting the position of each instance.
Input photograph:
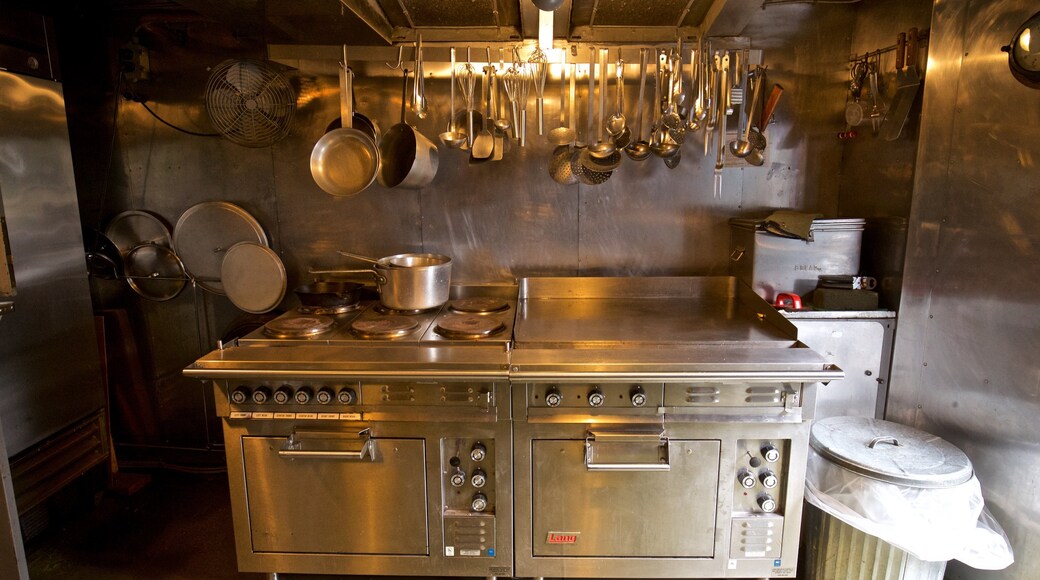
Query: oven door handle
(293, 450)
(656, 440)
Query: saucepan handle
(381, 279)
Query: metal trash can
(898, 455)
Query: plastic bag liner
(931, 524)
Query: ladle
(450, 137)
(697, 73)
(603, 147)
(660, 144)
(616, 122)
(563, 135)
(502, 123)
(639, 149)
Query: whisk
(538, 66)
(516, 81)
(467, 77)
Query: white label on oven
(306, 415)
(263, 415)
(285, 415)
(732, 564)
(350, 416)
(469, 552)
(240, 414)
(332, 416)
(448, 550)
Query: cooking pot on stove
(407, 281)
(326, 294)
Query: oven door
(315, 492)
(628, 493)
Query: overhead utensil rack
(922, 40)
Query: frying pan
(345, 161)
(329, 294)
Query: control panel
(468, 493)
(592, 396)
(328, 400)
(758, 492)
(761, 467)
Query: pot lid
(253, 276)
(205, 232)
(133, 228)
(154, 272)
(890, 452)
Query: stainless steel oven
(382, 452)
(660, 429)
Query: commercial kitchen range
(565, 427)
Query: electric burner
(388, 326)
(298, 326)
(320, 310)
(468, 326)
(392, 311)
(478, 305)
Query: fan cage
(249, 102)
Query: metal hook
(400, 55)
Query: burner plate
(478, 305)
(298, 326)
(384, 327)
(468, 326)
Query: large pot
(408, 281)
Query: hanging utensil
(539, 68)
(484, 145)
(468, 83)
(616, 122)
(409, 159)
(502, 122)
(721, 143)
(661, 144)
(345, 161)
(603, 147)
(450, 137)
(743, 146)
(699, 112)
(563, 135)
(639, 149)
(419, 87)
(906, 91)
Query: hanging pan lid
(253, 277)
(890, 452)
(205, 232)
(133, 228)
(154, 272)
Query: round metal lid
(384, 327)
(205, 232)
(253, 277)
(154, 272)
(298, 326)
(133, 228)
(478, 305)
(890, 452)
(468, 326)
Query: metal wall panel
(965, 363)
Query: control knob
(478, 453)
(766, 502)
(479, 503)
(638, 396)
(260, 395)
(746, 479)
(283, 395)
(240, 395)
(324, 396)
(303, 395)
(596, 398)
(771, 453)
(479, 478)
(346, 396)
(768, 478)
(553, 398)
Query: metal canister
(887, 452)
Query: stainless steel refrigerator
(51, 393)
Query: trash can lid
(890, 452)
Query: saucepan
(406, 281)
